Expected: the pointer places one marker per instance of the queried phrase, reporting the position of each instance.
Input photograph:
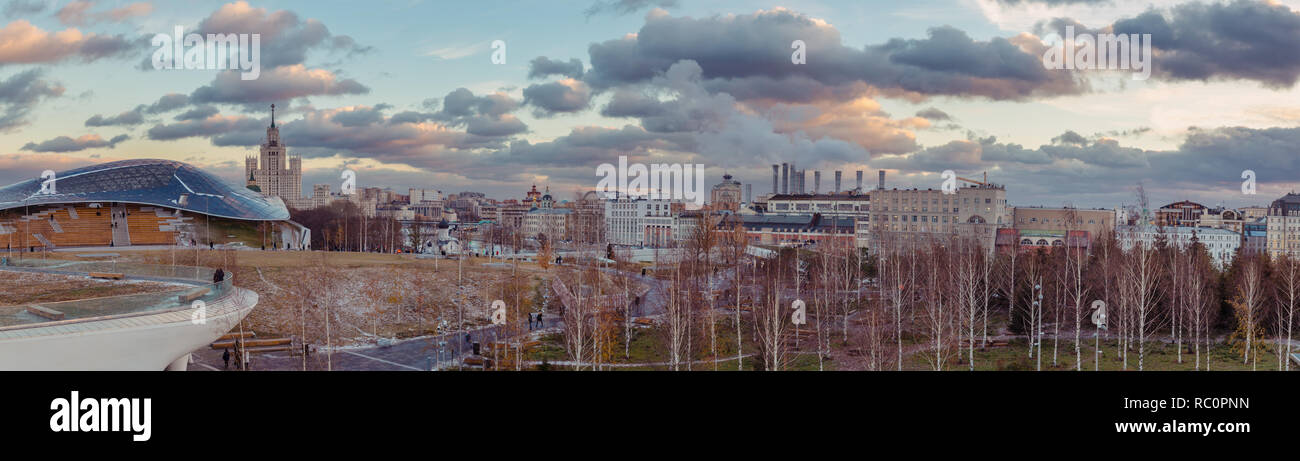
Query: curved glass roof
(164, 183)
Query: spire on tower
(272, 115)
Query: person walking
(540, 323)
(218, 276)
(225, 357)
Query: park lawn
(1158, 357)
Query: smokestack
(859, 179)
(749, 193)
(776, 177)
(785, 178)
(803, 181)
(817, 182)
(882, 180)
(837, 181)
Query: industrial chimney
(882, 180)
(859, 180)
(776, 177)
(837, 181)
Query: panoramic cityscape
(651, 185)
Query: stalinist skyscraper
(273, 178)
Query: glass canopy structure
(164, 183)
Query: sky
(408, 94)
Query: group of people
(535, 319)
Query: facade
(547, 220)
(1221, 218)
(1222, 244)
(1051, 226)
(1180, 214)
(1283, 226)
(274, 172)
(135, 202)
(726, 195)
(793, 230)
(969, 212)
(640, 221)
(1255, 237)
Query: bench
(45, 312)
(644, 321)
(193, 295)
(478, 361)
(107, 275)
(251, 343)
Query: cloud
(542, 67)
(67, 144)
(489, 115)
(77, 13)
(622, 7)
(20, 93)
(563, 96)
(1237, 40)
(136, 116)
(23, 43)
(279, 84)
(286, 39)
(214, 125)
(934, 115)
(24, 7)
(749, 57)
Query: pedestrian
(466, 338)
(530, 321)
(225, 357)
(540, 324)
(218, 276)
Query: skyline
(408, 95)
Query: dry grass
(24, 288)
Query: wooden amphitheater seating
(146, 227)
(82, 227)
(70, 227)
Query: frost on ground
(26, 287)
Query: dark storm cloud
(68, 144)
(743, 52)
(542, 67)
